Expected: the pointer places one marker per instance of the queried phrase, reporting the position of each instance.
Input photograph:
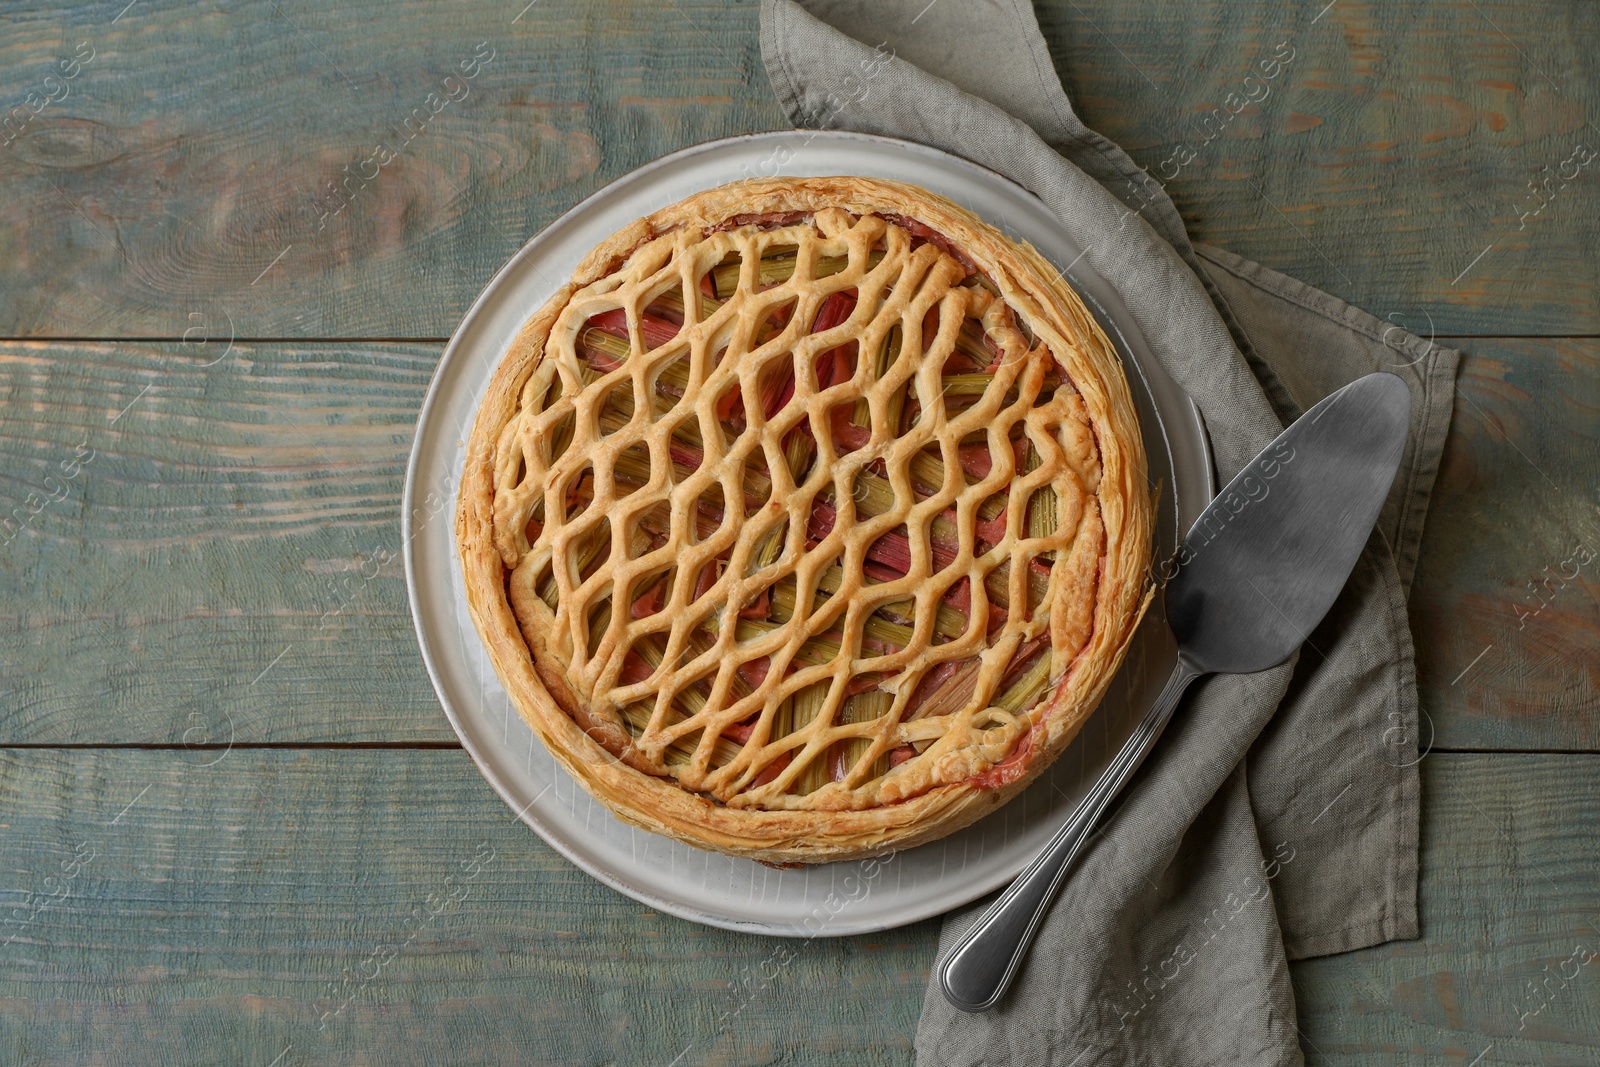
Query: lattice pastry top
(809, 520)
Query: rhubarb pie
(808, 521)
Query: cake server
(1255, 575)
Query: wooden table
(231, 803)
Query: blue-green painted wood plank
(185, 170)
(161, 910)
(198, 546)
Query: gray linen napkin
(1277, 819)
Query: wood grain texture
(192, 150)
(283, 900)
(1506, 607)
(247, 510)
(1392, 146)
(1507, 895)
(162, 910)
(199, 146)
(225, 562)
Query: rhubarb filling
(807, 512)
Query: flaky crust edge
(1057, 315)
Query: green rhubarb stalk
(597, 626)
(1025, 689)
(823, 648)
(863, 707)
(780, 268)
(680, 751)
(861, 414)
(589, 546)
(803, 708)
(1043, 512)
(947, 621)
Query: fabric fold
(1277, 819)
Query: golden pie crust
(808, 521)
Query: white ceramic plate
(829, 899)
